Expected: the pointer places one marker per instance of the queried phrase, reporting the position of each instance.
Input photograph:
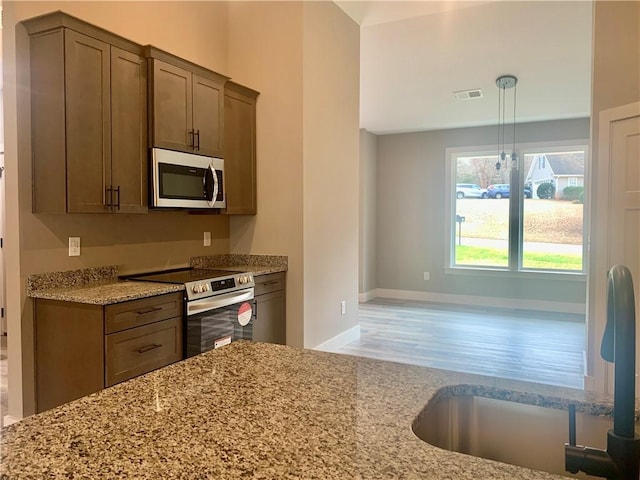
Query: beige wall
(265, 53)
(304, 58)
(615, 82)
(411, 224)
(37, 243)
(368, 278)
(331, 80)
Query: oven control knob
(206, 287)
(242, 280)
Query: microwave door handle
(219, 301)
(216, 186)
(209, 185)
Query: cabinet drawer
(142, 312)
(269, 283)
(139, 350)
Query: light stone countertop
(253, 410)
(101, 286)
(106, 293)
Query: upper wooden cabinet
(88, 118)
(240, 148)
(186, 110)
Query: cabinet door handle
(192, 136)
(148, 348)
(109, 196)
(271, 282)
(117, 190)
(196, 139)
(144, 311)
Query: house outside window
(538, 227)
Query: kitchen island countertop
(253, 410)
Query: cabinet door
(207, 116)
(240, 152)
(48, 130)
(270, 323)
(69, 352)
(129, 131)
(88, 123)
(172, 116)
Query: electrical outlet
(74, 246)
(426, 276)
(207, 239)
(343, 307)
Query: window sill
(563, 276)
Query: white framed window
(523, 219)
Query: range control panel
(209, 287)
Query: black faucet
(621, 460)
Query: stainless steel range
(219, 305)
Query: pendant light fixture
(504, 83)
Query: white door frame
(601, 379)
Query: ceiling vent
(468, 94)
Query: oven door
(218, 320)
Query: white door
(618, 241)
(625, 203)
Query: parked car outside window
(501, 190)
(470, 190)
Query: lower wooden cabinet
(139, 350)
(81, 348)
(271, 307)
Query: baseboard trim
(366, 296)
(9, 420)
(340, 340)
(477, 301)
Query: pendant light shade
(504, 83)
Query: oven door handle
(219, 301)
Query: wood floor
(523, 345)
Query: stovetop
(183, 275)
(199, 282)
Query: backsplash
(71, 278)
(231, 259)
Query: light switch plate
(207, 239)
(74, 246)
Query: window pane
(553, 217)
(481, 224)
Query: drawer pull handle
(149, 310)
(148, 348)
(272, 282)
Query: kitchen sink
(519, 434)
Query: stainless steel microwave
(185, 180)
